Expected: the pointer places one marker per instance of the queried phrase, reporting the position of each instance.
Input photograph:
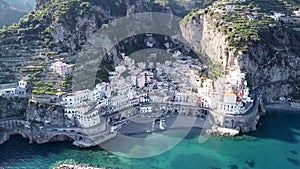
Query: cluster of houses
(20, 89)
(236, 94)
(141, 85)
(78, 107)
(138, 85)
(13, 90)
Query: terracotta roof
(229, 94)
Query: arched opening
(176, 112)
(61, 137)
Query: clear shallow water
(276, 145)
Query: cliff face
(202, 34)
(48, 115)
(271, 59)
(71, 26)
(12, 107)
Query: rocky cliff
(272, 59)
(75, 21)
(45, 114)
(59, 28)
(12, 107)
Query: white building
(88, 118)
(133, 80)
(85, 116)
(77, 99)
(133, 102)
(230, 98)
(277, 16)
(207, 87)
(297, 12)
(13, 89)
(151, 65)
(61, 68)
(182, 97)
(22, 84)
(22, 88)
(120, 101)
(144, 99)
(158, 97)
(147, 108)
(229, 105)
(8, 90)
(101, 91)
(177, 53)
(205, 102)
(235, 78)
(120, 69)
(142, 65)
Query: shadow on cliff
(17, 148)
(280, 125)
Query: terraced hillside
(251, 36)
(53, 33)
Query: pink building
(62, 68)
(141, 80)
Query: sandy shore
(142, 126)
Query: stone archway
(176, 112)
(61, 137)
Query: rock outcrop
(12, 107)
(270, 60)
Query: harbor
(278, 132)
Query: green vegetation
(244, 24)
(42, 88)
(42, 22)
(191, 16)
(214, 70)
(163, 3)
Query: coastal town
(151, 89)
(143, 87)
(148, 86)
(158, 84)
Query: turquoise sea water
(276, 145)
